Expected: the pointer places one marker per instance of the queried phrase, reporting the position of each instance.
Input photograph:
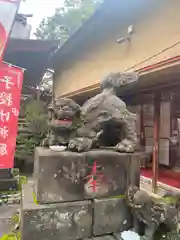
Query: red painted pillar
(155, 166)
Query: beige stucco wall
(153, 34)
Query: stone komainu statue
(63, 122)
(152, 212)
(106, 120)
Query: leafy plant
(34, 129)
(11, 236)
(36, 117)
(66, 20)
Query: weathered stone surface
(151, 212)
(58, 176)
(117, 236)
(7, 184)
(114, 172)
(107, 237)
(6, 214)
(63, 221)
(5, 173)
(111, 215)
(69, 176)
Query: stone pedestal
(115, 172)
(5, 173)
(56, 175)
(67, 176)
(60, 221)
(111, 215)
(108, 237)
(80, 196)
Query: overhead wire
(153, 56)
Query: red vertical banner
(11, 79)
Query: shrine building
(134, 35)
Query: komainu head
(65, 109)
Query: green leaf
(35, 117)
(66, 20)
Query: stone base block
(117, 236)
(111, 215)
(7, 184)
(114, 172)
(68, 176)
(5, 173)
(6, 214)
(63, 221)
(57, 176)
(107, 237)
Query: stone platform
(110, 215)
(70, 176)
(108, 237)
(6, 213)
(78, 196)
(61, 221)
(72, 220)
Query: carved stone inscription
(68, 176)
(107, 174)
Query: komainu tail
(117, 80)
